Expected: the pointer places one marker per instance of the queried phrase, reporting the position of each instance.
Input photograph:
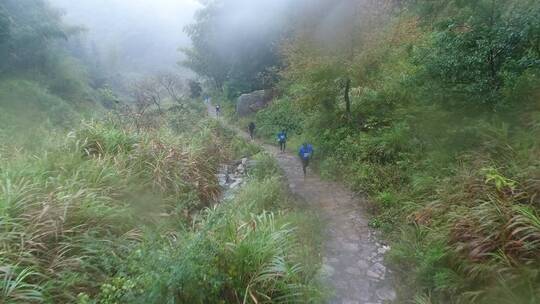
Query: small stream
(232, 176)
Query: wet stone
(377, 271)
(373, 275)
(383, 249)
(386, 294)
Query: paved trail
(353, 257)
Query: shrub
(280, 115)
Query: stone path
(353, 259)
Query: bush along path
(353, 261)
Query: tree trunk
(347, 97)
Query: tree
(233, 50)
(329, 38)
(5, 25)
(172, 84)
(195, 89)
(482, 48)
(148, 91)
(27, 30)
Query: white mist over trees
(130, 37)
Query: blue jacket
(306, 152)
(282, 136)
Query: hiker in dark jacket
(251, 128)
(282, 139)
(305, 153)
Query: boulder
(253, 102)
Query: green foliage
(33, 49)
(5, 26)
(442, 136)
(15, 288)
(99, 139)
(241, 148)
(481, 49)
(26, 106)
(95, 198)
(265, 165)
(110, 215)
(33, 25)
(280, 115)
(238, 251)
(235, 58)
(69, 79)
(195, 89)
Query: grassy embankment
(97, 212)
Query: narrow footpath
(353, 261)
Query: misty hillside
(136, 37)
(272, 151)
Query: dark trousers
(282, 145)
(305, 164)
(251, 133)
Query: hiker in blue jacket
(282, 139)
(305, 153)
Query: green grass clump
(111, 215)
(245, 250)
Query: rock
(386, 294)
(377, 271)
(236, 183)
(222, 179)
(383, 249)
(253, 102)
(327, 270)
(372, 275)
(379, 267)
(240, 169)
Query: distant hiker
(218, 110)
(251, 128)
(282, 139)
(305, 153)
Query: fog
(132, 36)
(125, 39)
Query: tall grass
(247, 250)
(111, 215)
